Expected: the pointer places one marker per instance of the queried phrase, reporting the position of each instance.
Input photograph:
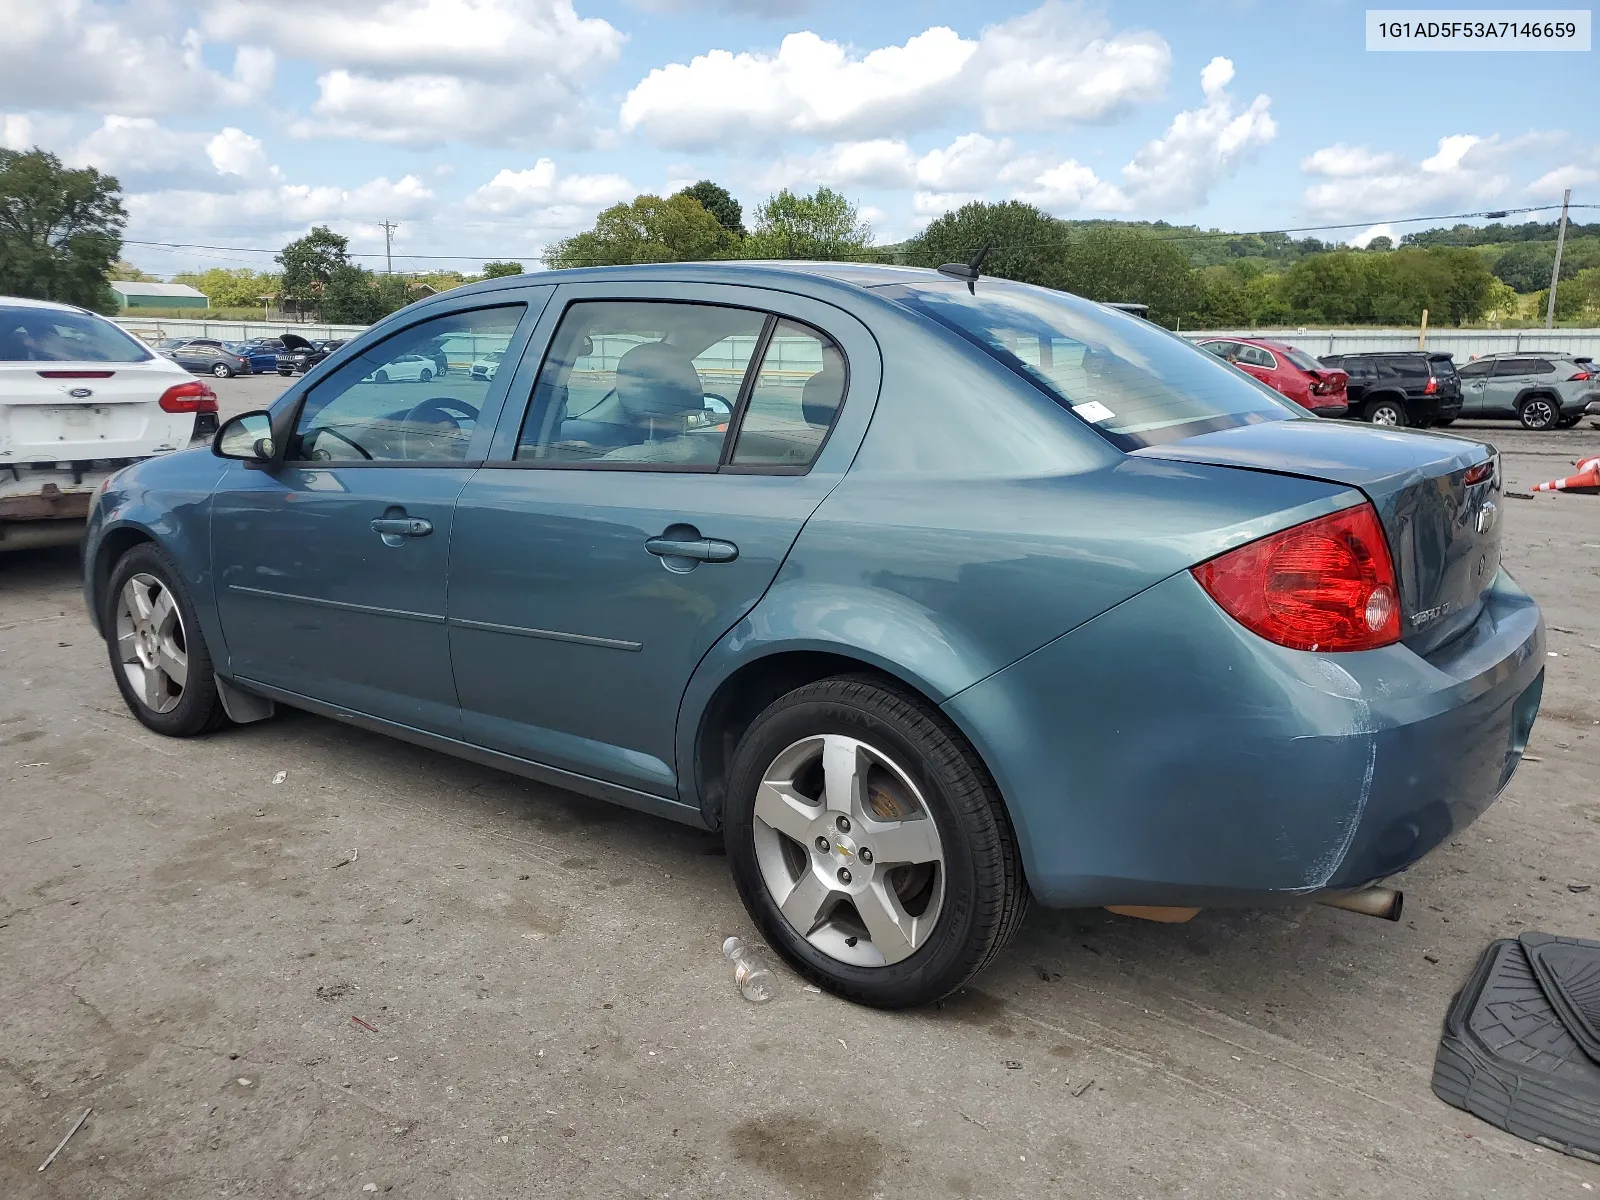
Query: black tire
(222, 371)
(984, 892)
(1538, 413)
(381, 376)
(427, 375)
(1387, 412)
(199, 708)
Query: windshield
(56, 335)
(1133, 381)
(1302, 360)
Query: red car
(1284, 369)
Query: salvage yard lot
(186, 946)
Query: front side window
(29, 334)
(1225, 350)
(406, 398)
(1476, 370)
(639, 382)
(1133, 381)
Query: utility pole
(1555, 271)
(389, 234)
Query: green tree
(1526, 265)
(822, 226)
(238, 287)
(60, 230)
(1115, 263)
(309, 264)
(499, 270)
(719, 202)
(648, 230)
(1381, 242)
(126, 272)
(1025, 243)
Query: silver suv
(1543, 391)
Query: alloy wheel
(1386, 414)
(848, 850)
(1538, 414)
(151, 645)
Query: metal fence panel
(156, 328)
(1462, 343)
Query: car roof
(1528, 354)
(50, 305)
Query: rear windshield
(1133, 381)
(1442, 364)
(54, 335)
(1301, 359)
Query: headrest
(824, 390)
(655, 379)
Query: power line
(1197, 235)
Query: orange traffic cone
(1585, 483)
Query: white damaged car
(79, 400)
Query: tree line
(61, 238)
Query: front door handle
(711, 550)
(402, 526)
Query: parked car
(205, 356)
(262, 360)
(1543, 391)
(970, 597)
(79, 399)
(1400, 387)
(1286, 370)
(302, 355)
(485, 367)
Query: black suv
(1400, 387)
(302, 355)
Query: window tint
(795, 399)
(1516, 366)
(1133, 381)
(1227, 350)
(30, 334)
(1355, 365)
(404, 399)
(640, 382)
(1301, 359)
(1542, 367)
(1256, 356)
(1476, 370)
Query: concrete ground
(297, 959)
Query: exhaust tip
(1383, 902)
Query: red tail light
(1325, 585)
(1433, 386)
(1580, 376)
(192, 397)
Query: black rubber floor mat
(1507, 1057)
(1568, 969)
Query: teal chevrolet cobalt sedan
(933, 593)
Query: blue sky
(489, 127)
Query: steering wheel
(435, 410)
(321, 455)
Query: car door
(1510, 376)
(1474, 387)
(666, 461)
(331, 565)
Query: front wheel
(158, 653)
(1387, 412)
(869, 844)
(222, 371)
(1538, 413)
(427, 375)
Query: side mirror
(246, 438)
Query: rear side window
(1133, 381)
(1301, 359)
(1257, 357)
(796, 395)
(54, 335)
(1541, 367)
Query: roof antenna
(969, 269)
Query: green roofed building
(131, 297)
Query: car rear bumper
(1163, 755)
(1329, 409)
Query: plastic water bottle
(755, 980)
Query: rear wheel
(381, 377)
(1538, 413)
(870, 845)
(1386, 412)
(222, 371)
(427, 375)
(158, 654)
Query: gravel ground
(394, 972)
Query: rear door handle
(711, 550)
(402, 526)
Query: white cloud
(970, 163)
(16, 131)
(1464, 169)
(235, 152)
(748, 8)
(541, 186)
(428, 71)
(1041, 69)
(77, 54)
(1553, 183)
(138, 146)
(271, 215)
(1174, 172)
(1362, 239)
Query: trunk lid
(81, 411)
(1444, 532)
